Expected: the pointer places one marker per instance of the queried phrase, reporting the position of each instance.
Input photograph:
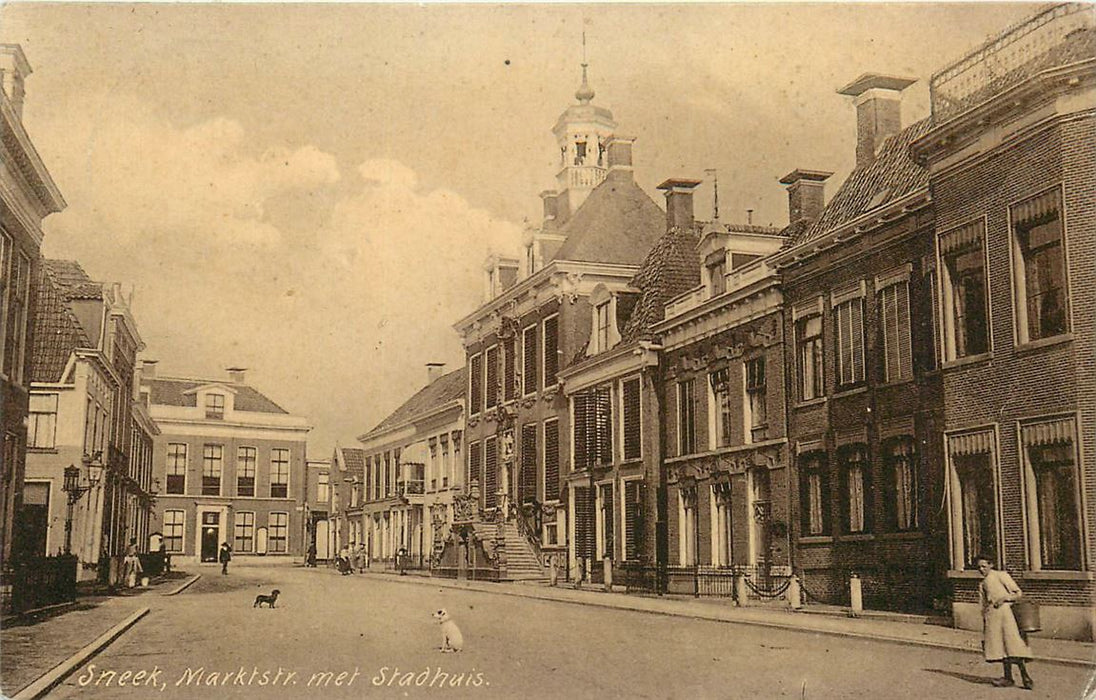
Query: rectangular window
(174, 522)
(808, 334)
(42, 422)
(894, 332)
(849, 318)
(1042, 299)
(551, 350)
(510, 370)
(323, 486)
(18, 290)
(490, 472)
(279, 533)
(215, 406)
(631, 427)
(212, 457)
(855, 488)
(244, 532)
(686, 417)
(717, 282)
(633, 519)
(1053, 498)
(551, 460)
(973, 494)
(475, 384)
(965, 297)
(601, 327)
(899, 460)
(245, 471)
(756, 397)
(527, 479)
(176, 468)
(529, 370)
(592, 412)
(491, 388)
(475, 464)
(279, 472)
(607, 515)
(724, 408)
(814, 493)
(686, 539)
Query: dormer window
(601, 339)
(215, 406)
(717, 283)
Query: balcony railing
(1057, 36)
(733, 280)
(410, 488)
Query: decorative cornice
(29, 163)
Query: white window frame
(288, 470)
(944, 296)
(1029, 495)
(850, 295)
(884, 282)
(804, 312)
(599, 517)
(221, 474)
(34, 423)
(255, 469)
(235, 524)
(182, 531)
(1018, 274)
(270, 532)
(959, 557)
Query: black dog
(268, 599)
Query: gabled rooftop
(618, 223)
(443, 390)
(57, 331)
(171, 391)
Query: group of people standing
(351, 559)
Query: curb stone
(49, 680)
(185, 585)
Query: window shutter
(490, 472)
(476, 385)
(551, 460)
(905, 342)
(475, 464)
(604, 425)
(633, 519)
(856, 310)
(551, 347)
(632, 427)
(584, 531)
(492, 359)
(528, 479)
(510, 371)
(529, 368)
(579, 419)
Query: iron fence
(38, 582)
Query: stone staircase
(521, 561)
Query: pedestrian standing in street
(310, 560)
(1001, 638)
(225, 556)
(131, 564)
(343, 561)
(355, 558)
(363, 558)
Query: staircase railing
(528, 524)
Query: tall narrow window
(529, 369)
(491, 389)
(279, 533)
(814, 493)
(176, 468)
(1053, 498)
(446, 465)
(18, 290)
(490, 472)
(592, 413)
(849, 317)
(716, 269)
(601, 327)
(808, 334)
(630, 418)
(965, 298)
(606, 506)
(42, 423)
(855, 488)
(687, 554)
(215, 406)
(323, 487)
(475, 464)
(723, 405)
(510, 369)
(551, 350)
(244, 532)
(527, 480)
(245, 471)
(1042, 299)
(900, 464)
(174, 522)
(212, 458)
(894, 332)
(475, 384)
(686, 417)
(551, 460)
(279, 472)
(633, 519)
(974, 502)
(756, 397)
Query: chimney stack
(236, 374)
(433, 371)
(618, 158)
(14, 69)
(806, 193)
(679, 202)
(878, 100)
(148, 369)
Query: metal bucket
(1027, 616)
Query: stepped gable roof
(72, 281)
(57, 332)
(892, 175)
(618, 223)
(171, 391)
(672, 267)
(445, 389)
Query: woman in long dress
(1001, 638)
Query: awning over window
(962, 238)
(971, 444)
(1059, 432)
(1037, 210)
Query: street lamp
(75, 490)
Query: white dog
(452, 640)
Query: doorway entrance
(211, 529)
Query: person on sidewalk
(1001, 638)
(224, 557)
(131, 564)
(363, 559)
(310, 558)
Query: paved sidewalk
(33, 644)
(1056, 650)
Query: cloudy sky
(310, 191)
